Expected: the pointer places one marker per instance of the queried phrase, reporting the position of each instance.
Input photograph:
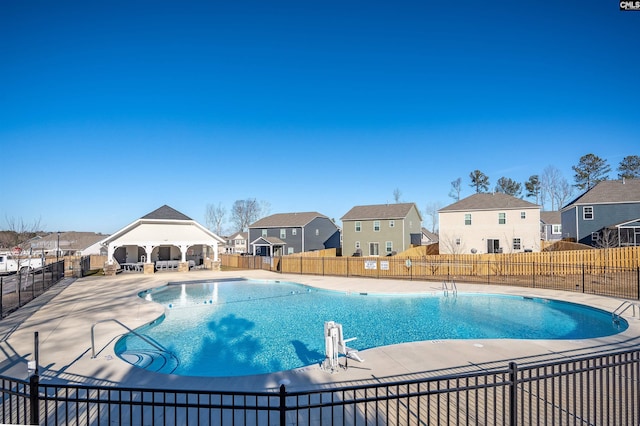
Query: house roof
(429, 234)
(489, 201)
(272, 241)
(610, 192)
(380, 211)
(166, 213)
(280, 220)
(552, 217)
(71, 240)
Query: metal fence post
(283, 405)
(513, 393)
(1, 293)
(34, 383)
(637, 281)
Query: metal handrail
(623, 308)
(146, 339)
(446, 289)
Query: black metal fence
(596, 390)
(584, 278)
(18, 289)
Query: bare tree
(563, 193)
(607, 238)
(214, 217)
(18, 231)
(451, 245)
(431, 211)
(396, 195)
(456, 188)
(245, 212)
(549, 183)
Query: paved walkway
(63, 318)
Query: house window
(556, 229)
(467, 219)
(294, 231)
(502, 218)
(317, 232)
(264, 232)
(523, 215)
(389, 247)
(392, 223)
(358, 226)
(374, 249)
(376, 225)
(283, 234)
(516, 244)
(289, 250)
(587, 213)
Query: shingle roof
(379, 211)
(611, 191)
(166, 213)
(489, 201)
(286, 220)
(553, 217)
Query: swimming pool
(242, 327)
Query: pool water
(235, 328)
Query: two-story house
(489, 223)
(380, 230)
(237, 243)
(288, 233)
(607, 215)
(550, 226)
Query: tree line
(241, 214)
(551, 186)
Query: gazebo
(162, 239)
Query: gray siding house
(380, 230)
(607, 215)
(288, 233)
(551, 226)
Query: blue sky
(108, 110)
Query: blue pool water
(234, 328)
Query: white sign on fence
(384, 265)
(370, 264)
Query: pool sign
(384, 265)
(630, 5)
(370, 264)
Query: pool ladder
(624, 306)
(449, 287)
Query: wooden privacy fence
(512, 264)
(612, 272)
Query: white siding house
(489, 223)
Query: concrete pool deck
(64, 316)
